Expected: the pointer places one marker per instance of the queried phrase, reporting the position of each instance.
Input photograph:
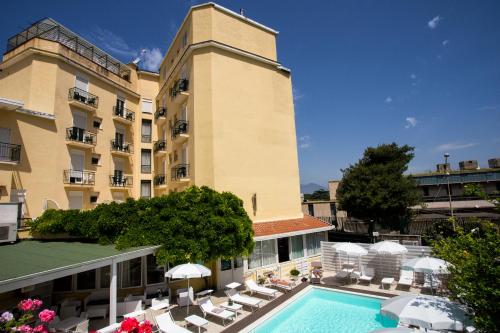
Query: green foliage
(375, 188)
(474, 190)
(198, 224)
(475, 272)
(317, 195)
(294, 272)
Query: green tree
(375, 188)
(317, 195)
(475, 274)
(198, 224)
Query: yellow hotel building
(79, 128)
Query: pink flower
(26, 305)
(47, 316)
(24, 329)
(37, 304)
(40, 329)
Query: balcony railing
(161, 112)
(180, 171)
(479, 177)
(180, 127)
(10, 153)
(82, 96)
(120, 181)
(160, 180)
(77, 134)
(123, 113)
(179, 86)
(79, 177)
(160, 145)
(122, 147)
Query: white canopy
(426, 311)
(388, 248)
(427, 265)
(350, 249)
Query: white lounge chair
(367, 274)
(207, 307)
(405, 278)
(281, 284)
(166, 324)
(182, 298)
(254, 288)
(236, 297)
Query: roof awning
(287, 228)
(10, 104)
(27, 263)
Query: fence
(384, 265)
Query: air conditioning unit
(10, 213)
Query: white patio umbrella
(188, 271)
(350, 249)
(428, 265)
(388, 248)
(432, 312)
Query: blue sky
(423, 73)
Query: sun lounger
(282, 284)
(166, 324)
(405, 278)
(207, 307)
(367, 274)
(344, 273)
(254, 288)
(236, 297)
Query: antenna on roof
(139, 58)
(242, 11)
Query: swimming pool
(323, 310)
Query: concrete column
(112, 294)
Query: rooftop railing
(458, 179)
(51, 30)
(82, 96)
(10, 152)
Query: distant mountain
(311, 188)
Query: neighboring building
(326, 210)
(81, 128)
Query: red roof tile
(288, 226)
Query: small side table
(233, 308)
(196, 321)
(387, 281)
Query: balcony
(79, 178)
(83, 99)
(178, 93)
(180, 130)
(9, 153)
(160, 180)
(180, 172)
(80, 137)
(160, 147)
(123, 115)
(121, 148)
(120, 182)
(160, 115)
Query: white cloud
(411, 122)
(455, 146)
(152, 59)
(388, 99)
(434, 22)
(304, 142)
(296, 94)
(112, 42)
(304, 138)
(489, 107)
(413, 76)
(305, 145)
(445, 42)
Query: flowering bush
(132, 325)
(20, 323)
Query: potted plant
(261, 280)
(294, 273)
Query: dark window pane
(85, 280)
(155, 273)
(63, 284)
(225, 264)
(131, 273)
(105, 278)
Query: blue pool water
(321, 310)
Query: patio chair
(166, 324)
(282, 284)
(236, 297)
(207, 307)
(405, 278)
(431, 282)
(344, 274)
(367, 274)
(82, 327)
(254, 288)
(183, 295)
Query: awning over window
(287, 228)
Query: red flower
(26, 305)
(37, 304)
(40, 329)
(145, 327)
(129, 324)
(47, 316)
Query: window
(146, 160)
(104, 277)
(297, 247)
(155, 274)
(146, 131)
(283, 249)
(96, 159)
(238, 262)
(131, 273)
(86, 280)
(225, 265)
(145, 189)
(147, 106)
(263, 254)
(63, 284)
(310, 208)
(313, 242)
(97, 123)
(93, 198)
(426, 190)
(333, 209)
